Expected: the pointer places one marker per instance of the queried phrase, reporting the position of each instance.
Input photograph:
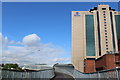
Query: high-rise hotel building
(94, 33)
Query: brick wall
(89, 66)
(107, 61)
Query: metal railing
(99, 75)
(46, 74)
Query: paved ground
(62, 76)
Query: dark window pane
(103, 8)
(90, 40)
(117, 19)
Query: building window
(105, 27)
(115, 13)
(117, 18)
(104, 19)
(104, 22)
(106, 48)
(106, 39)
(103, 8)
(105, 33)
(106, 45)
(103, 11)
(106, 42)
(105, 30)
(106, 36)
(90, 38)
(104, 16)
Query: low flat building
(107, 61)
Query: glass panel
(90, 40)
(117, 18)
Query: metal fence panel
(105, 74)
(42, 74)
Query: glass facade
(117, 19)
(90, 40)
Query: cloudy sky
(31, 51)
(34, 33)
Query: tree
(9, 66)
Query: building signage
(77, 14)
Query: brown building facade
(107, 61)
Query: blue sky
(51, 21)
(60, 0)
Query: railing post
(0, 74)
(98, 76)
(117, 74)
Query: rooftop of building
(96, 8)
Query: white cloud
(31, 40)
(33, 51)
(61, 59)
(3, 41)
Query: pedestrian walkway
(62, 76)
